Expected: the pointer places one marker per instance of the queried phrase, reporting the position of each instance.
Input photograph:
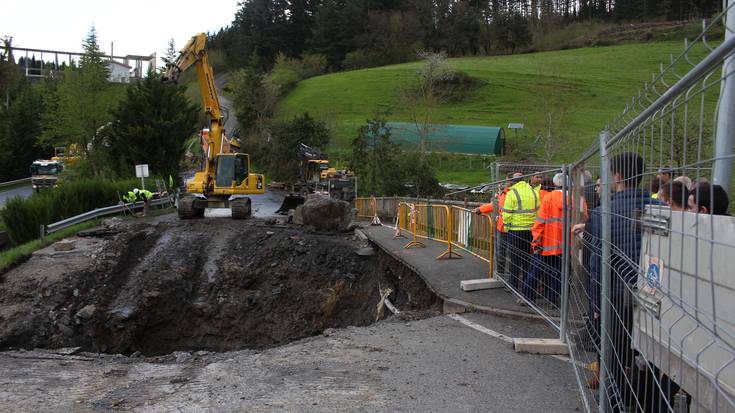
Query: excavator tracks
(187, 210)
(241, 208)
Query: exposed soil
(208, 284)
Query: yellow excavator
(226, 180)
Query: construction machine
(45, 172)
(225, 180)
(317, 176)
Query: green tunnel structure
(465, 139)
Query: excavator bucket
(291, 201)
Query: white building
(119, 72)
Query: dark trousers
(520, 256)
(501, 252)
(545, 269)
(619, 361)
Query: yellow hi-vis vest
(521, 205)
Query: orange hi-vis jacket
(547, 230)
(542, 194)
(488, 208)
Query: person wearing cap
(547, 244)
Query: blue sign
(653, 276)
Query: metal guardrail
(96, 213)
(16, 182)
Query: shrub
(23, 217)
(362, 59)
(313, 64)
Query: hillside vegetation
(573, 92)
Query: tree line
(111, 127)
(362, 33)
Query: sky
(137, 27)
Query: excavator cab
(231, 169)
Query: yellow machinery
(225, 180)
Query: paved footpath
(444, 276)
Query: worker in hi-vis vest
(519, 213)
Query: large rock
(325, 213)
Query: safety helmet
(136, 190)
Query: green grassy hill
(591, 85)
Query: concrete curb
(457, 306)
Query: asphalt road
(22, 191)
(437, 364)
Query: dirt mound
(212, 284)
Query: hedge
(23, 217)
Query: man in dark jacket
(626, 171)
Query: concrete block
(540, 346)
(481, 284)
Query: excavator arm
(195, 54)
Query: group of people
(530, 216)
(684, 194)
(530, 229)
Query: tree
(252, 102)
(9, 71)
(80, 106)
(150, 126)
(283, 153)
(553, 115)
(171, 53)
(511, 31)
(375, 159)
(20, 127)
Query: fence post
(42, 231)
(566, 230)
(725, 135)
(605, 219)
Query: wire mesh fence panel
(651, 295)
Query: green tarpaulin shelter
(480, 140)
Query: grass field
(591, 85)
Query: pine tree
(20, 127)
(81, 102)
(171, 52)
(150, 126)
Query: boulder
(325, 213)
(64, 245)
(298, 217)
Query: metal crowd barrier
(454, 225)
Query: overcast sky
(138, 27)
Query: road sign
(141, 171)
(515, 126)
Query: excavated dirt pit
(214, 285)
